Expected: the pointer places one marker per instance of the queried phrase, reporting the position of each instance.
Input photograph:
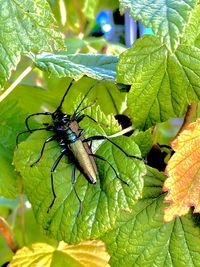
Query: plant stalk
(188, 117)
(8, 235)
(16, 82)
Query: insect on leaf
(102, 202)
(87, 253)
(183, 184)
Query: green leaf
(192, 31)
(10, 125)
(7, 176)
(12, 113)
(109, 194)
(164, 83)
(85, 254)
(143, 239)
(144, 140)
(106, 94)
(76, 66)
(29, 26)
(168, 19)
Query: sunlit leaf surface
(142, 238)
(168, 18)
(95, 66)
(84, 254)
(25, 26)
(163, 83)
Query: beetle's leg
(52, 185)
(43, 147)
(73, 185)
(63, 98)
(29, 131)
(89, 106)
(81, 132)
(81, 117)
(91, 88)
(102, 158)
(101, 137)
(34, 114)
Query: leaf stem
(16, 82)
(126, 130)
(188, 117)
(8, 235)
(22, 220)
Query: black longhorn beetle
(67, 132)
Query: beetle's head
(59, 117)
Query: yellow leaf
(86, 253)
(183, 184)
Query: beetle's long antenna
(63, 98)
(86, 96)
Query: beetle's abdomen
(84, 160)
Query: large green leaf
(143, 239)
(25, 25)
(168, 18)
(164, 83)
(102, 202)
(76, 66)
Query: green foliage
(108, 195)
(164, 73)
(141, 238)
(163, 81)
(76, 66)
(29, 26)
(168, 19)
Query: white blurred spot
(28, 204)
(106, 27)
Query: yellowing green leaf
(183, 184)
(87, 253)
